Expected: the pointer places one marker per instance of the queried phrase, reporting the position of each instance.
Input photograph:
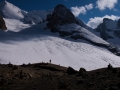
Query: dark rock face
(117, 33)
(2, 24)
(103, 30)
(118, 23)
(61, 16)
(105, 19)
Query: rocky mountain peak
(109, 29)
(106, 19)
(60, 16)
(60, 7)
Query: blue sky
(90, 11)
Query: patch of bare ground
(47, 76)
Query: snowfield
(33, 44)
(82, 32)
(15, 25)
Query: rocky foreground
(47, 76)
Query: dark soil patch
(46, 76)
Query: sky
(91, 12)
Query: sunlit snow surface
(10, 11)
(24, 43)
(83, 32)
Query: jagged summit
(61, 15)
(109, 30)
(107, 19)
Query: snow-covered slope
(82, 32)
(34, 44)
(15, 25)
(84, 25)
(9, 10)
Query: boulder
(70, 70)
(82, 72)
(110, 66)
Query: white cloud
(94, 22)
(81, 10)
(78, 10)
(88, 7)
(103, 4)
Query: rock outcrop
(108, 26)
(102, 29)
(2, 24)
(61, 16)
(118, 23)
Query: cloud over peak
(103, 4)
(78, 10)
(81, 10)
(94, 22)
